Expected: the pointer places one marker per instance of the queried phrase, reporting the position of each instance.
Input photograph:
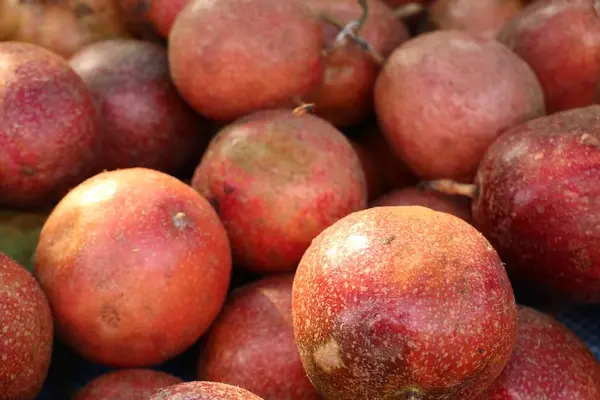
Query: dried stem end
(448, 186)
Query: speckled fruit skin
(482, 18)
(127, 384)
(159, 14)
(229, 58)
(48, 126)
(26, 321)
(412, 196)
(204, 391)
(145, 122)
(345, 96)
(548, 362)
(402, 303)
(560, 40)
(136, 266)
(435, 97)
(251, 345)
(537, 202)
(277, 180)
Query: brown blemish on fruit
(228, 189)
(110, 316)
(283, 158)
(328, 356)
(388, 239)
(181, 221)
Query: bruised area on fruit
(402, 303)
(145, 16)
(65, 26)
(229, 58)
(439, 108)
(277, 180)
(560, 40)
(126, 384)
(144, 121)
(251, 344)
(548, 362)
(413, 196)
(136, 266)
(203, 391)
(26, 326)
(481, 18)
(345, 96)
(49, 127)
(538, 190)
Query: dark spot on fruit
(110, 316)
(181, 221)
(228, 189)
(389, 239)
(27, 170)
(480, 350)
(83, 10)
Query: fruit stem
(350, 30)
(303, 109)
(408, 10)
(364, 15)
(448, 186)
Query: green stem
(365, 14)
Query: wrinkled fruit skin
(204, 391)
(548, 362)
(537, 203)
(157, 14)
(277, 180)
(402, 303)
(48, 126)
(345, 96)
(229, 58)
(548, 35)
(27, 331)
(412, 196)
(481, 18)
(144, 121)
(127, 384)
(435, 97)
(251, 345)
(136, 266)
